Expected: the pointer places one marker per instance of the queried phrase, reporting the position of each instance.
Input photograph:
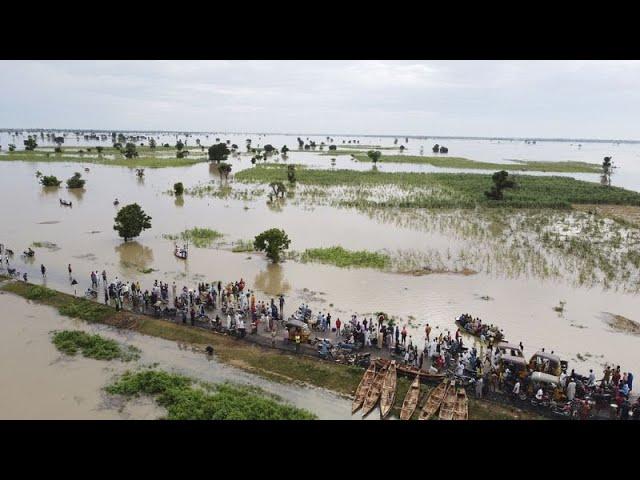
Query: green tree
(218, 152)
(224, 169)
(122, 138)
(374, 155)
(284, 150)
(333, 147)
(179, 145)
(273, 242)
(278, 189)
(268, 148)
(607, 170)
(130, 150)
(402, 147)
(99, 149)
(12, 147)
(436, 148)
(152, 143)
(76, 181)
(291, 173)
(50, 181)
(178, 188)
(30, 144)
(501, 181)
(131, 221)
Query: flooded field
(41, 383)
(524, 283)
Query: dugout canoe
(448, 403)
(388, 395)
(363, 388)
(434, 400)
(410, 402)
(373, 394)
(461, 409)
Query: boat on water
(388, 396)
(410, 402)
(181, 252)
(461, 408)
(65, 203)
(363, 388)
(373, 394)
(434, 400)
(448, 403)
(477, 328)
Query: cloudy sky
(571, 99)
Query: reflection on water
(78, 193)
(134, 255)
(271, 281)
(179, 201)
(49, 191)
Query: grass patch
(341, 257)
(461, 162)
(71, 342)
(200, 237)
(67, 305)
(243, 246)
(186, 399)
(450, 190)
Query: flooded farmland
(521, 302)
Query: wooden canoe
(373, 394)
(363, 388)
(449, 403)
(388, 396)
(461, 409)
(434, 400)
(411, 371)
(410, 400)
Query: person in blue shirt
(630, 380)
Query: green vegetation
(178, 188)
(200, 237)
(76, 181)
(67, 305)
(119, 161)
(450, 190)
(50, 181)
(374, 155)
(460, 162)
(347, 258)
(71, 342)
(273, 242)
(186, 399)
(131, 221)
(130, 150)
(218, 152)
(243, 246)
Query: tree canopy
(131, 221)
(273, 242)
(501, 181)
(218, 152)
(76, 181)
(374, 155)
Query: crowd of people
(233, 307)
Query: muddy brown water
(523, 307)
(41, 383)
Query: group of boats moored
(379, 384)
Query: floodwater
(41, 383)
(523, 307)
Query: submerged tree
(131, 221)
(374, 155)
(278, 189)
(152, 143)
(76, 181)
(130, 150)
(218, 152)
(30, 143)
(224, 169)
(178, 188)
(50, 181)
(500, 182)
(436, 148)
(284, 151)
(273, 242)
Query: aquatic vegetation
(44, 244)
(200, 237)
(186, 399)
(71, 342)
(243, 246)
(346, 258)
(50, 181)
(36, 292)
(516, 165)
(447, 190)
